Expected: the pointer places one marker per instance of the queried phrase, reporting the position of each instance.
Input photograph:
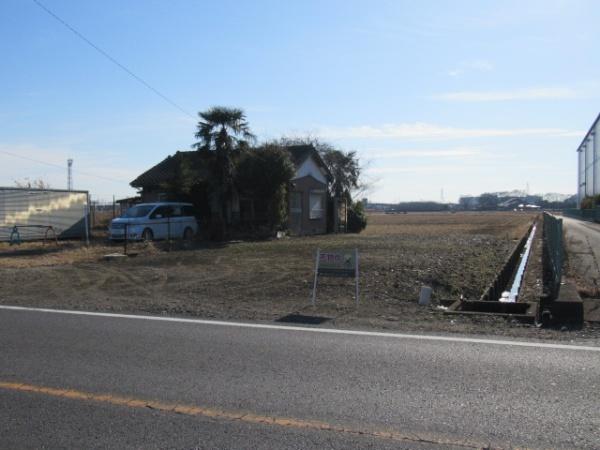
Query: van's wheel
(188, 234)
(147, 235)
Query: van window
(162, 211)
(138, 211)
(176, 211)
(188, 211)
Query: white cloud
(423, 153)
(550, 93)
(478, 65)
(427, 131)
(481, 65)
(417, 169)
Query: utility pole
(69, 174)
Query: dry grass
(503, 225)
(456, 254)
(265, 280)
(37, 254)
(382, 228)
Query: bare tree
(348, 172)
(36, 183)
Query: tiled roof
(167, 169)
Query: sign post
(336, 263)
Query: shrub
(264, 175)
(590, 202)
(357, 219)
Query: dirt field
(456, 254)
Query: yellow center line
(191, 410)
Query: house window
(317, 210)
(296, 202)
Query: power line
(113, 60)
(60, 167)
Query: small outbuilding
(34, 211)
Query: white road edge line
(422, 337)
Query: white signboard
(336, 263)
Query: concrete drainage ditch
(501, 296)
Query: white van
(161, 220)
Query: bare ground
(456, 254)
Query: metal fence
(101, 213)
(592, 215)
(169, 231)
(553, 252)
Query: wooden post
(125, 240)
(86, 221)
(314, 296)
(345, 215)
(169, 229)
(336, 215)
(356, 273)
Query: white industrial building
(588, 157)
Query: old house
(308, 191)
(307, 201)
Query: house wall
(150, 196)
(310, 167)
(300, 222)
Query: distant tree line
(421, 206)
(491, 202)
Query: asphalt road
(583, 249)
(279, 388)
(583, 245)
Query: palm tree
(222, 129)
(226, 132)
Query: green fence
(553, 251)
(593, 215)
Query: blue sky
(464, 96)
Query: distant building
(510, 203)
(468, 202)
(588, 158)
